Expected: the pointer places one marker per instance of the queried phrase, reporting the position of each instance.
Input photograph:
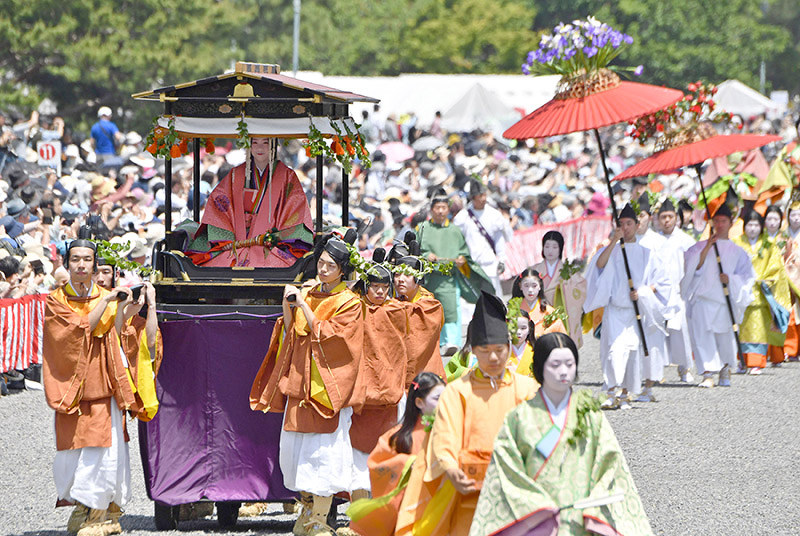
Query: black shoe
(33, 373)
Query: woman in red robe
(241, 208)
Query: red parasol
(588, 102)
(692, 149)
(695, 153)
(569, 111)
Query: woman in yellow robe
(444, 484)
(766, 318)
(521, 330)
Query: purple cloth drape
(205, 442)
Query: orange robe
(425, 321)
(385, 468)
(468, 417)
(791, 258)
(537, 316)
(134, 341)
(83, 370)
(381, 375)
(310, 375)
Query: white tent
(737, 98)
(424, 94)
(479, 108)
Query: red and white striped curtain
(21, 329)
(581, 235)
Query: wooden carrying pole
(725, 289)
(622, 244)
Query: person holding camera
(88, 384)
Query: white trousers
(714, 350)
(654, 363)
(96, 476)
(679, 347)
(322, 464)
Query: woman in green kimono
(557, 467)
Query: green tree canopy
(97, 52)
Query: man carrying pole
(714, 336)
(609, 286)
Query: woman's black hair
(776, 209)
(752, 215)
(544, 347)
(421, 385)
(531, 328)
(516, 289)
(557, 237)
(683, 205)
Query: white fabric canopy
(737, 98)
(225, 127)
(479, 108)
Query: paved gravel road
(707, 462)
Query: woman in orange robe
(241, 207)
(391, 460)
(443, 487)
(529, 286)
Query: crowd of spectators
(108, 181)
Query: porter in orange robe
(87, 384)
(425, 321)
(381, 377)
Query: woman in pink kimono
(258, 220)
(568, 293)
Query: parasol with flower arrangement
(685, 137)
(590, 95)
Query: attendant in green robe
(441, 241)
(553, 451)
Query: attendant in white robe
(679, 348)
(621, 347)
(486, 231)
(656, 359)
(710, 326)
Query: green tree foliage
(467, 36)
(97, 52)
(782, 67)
(370, 37)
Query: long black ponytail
(421, 385)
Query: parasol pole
(622, 243)
(725, 290)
